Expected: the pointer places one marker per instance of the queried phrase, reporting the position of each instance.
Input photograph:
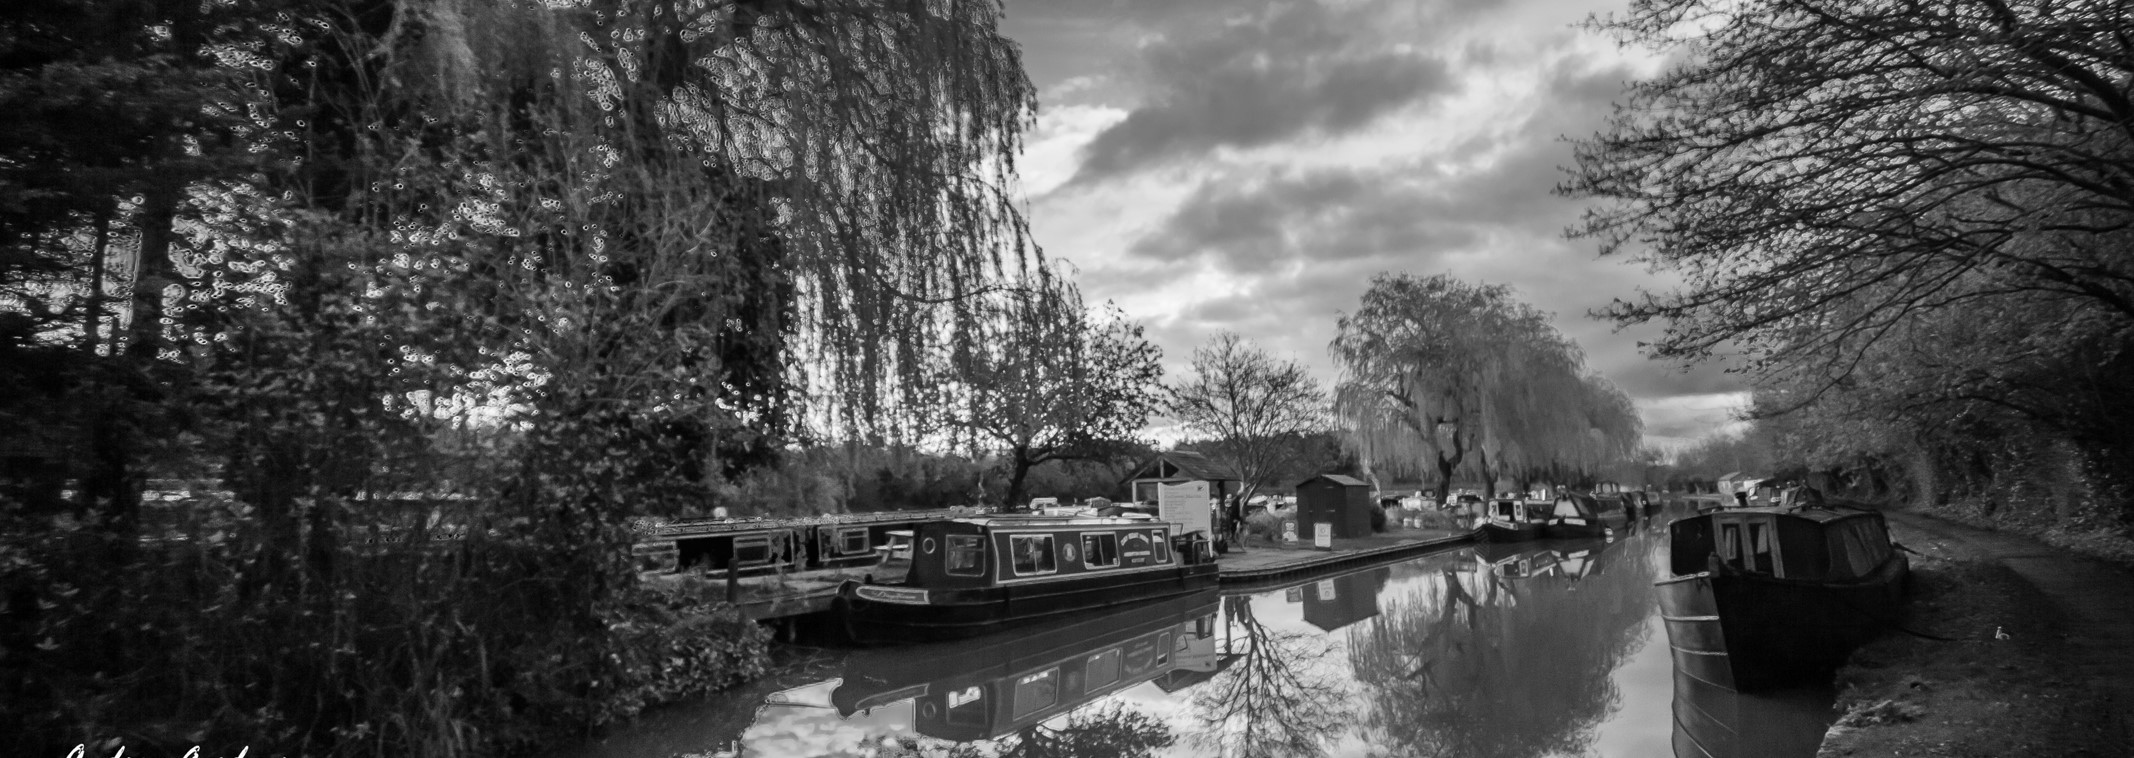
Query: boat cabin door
(1747, 542)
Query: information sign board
(1187, 505)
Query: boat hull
(1749, 632)
(962, 613)
(1491, 531)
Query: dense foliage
(521, 270)
(1909, 219)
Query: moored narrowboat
(1511, 520)
(1578, 515)
(1762, 597)
(964, 577)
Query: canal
(1548, 648)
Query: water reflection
(1509, 655)
(1010, 688)
(1278, 698)
(1715, 722)
(1535, 649)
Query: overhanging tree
(1838, 180)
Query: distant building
(1179, 467)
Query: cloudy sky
(1245, 165)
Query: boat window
(1033, 554)
(966, 554)
(895, 567)
(1101, 669)
(1760, 558)
(751, 550)
(1857, 547)
(1730, 544)
(1100, 550)
(1140, 655)
(1162, 544)
(855, 539)
(1036, 692)
(967, 706)
(1507, 510)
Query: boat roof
(1822, 515)
(1040, 520)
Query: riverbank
(1262, 561)
(2039, 660)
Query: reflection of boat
(1571, 558)
(1578, 514)
(1509, 520)
(996, 685)
(1763, 596)
(1517, 561)
(1581, 558)
(1715, 722)
(962, 577)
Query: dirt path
(2096, 599)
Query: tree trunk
(1489, 476)
(1445, 466)
(1014, 495)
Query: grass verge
(2005, 687)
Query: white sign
(1328, 592)
(1323, 536)
(1186, 505)
(1289, 531)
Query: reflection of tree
(1479, 665)
(1105, 732)
(1274, 700)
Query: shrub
(1265, 525)
(1378, 518)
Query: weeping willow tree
(535, 269)
(1440, 377)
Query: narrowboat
(970, 576)
(1511, 520)
(1578, 515)
(986, 688)
(1762, 597)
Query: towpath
(2096, 599)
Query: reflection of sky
(1638, 728)
(812, 728)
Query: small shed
(1334, 499)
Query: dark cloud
(1298, 70)
(1305, 243)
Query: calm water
(1533, 649)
